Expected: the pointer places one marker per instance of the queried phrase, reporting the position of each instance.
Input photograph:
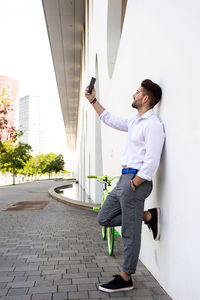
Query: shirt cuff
(144, 176)
(103, 114)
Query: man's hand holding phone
(90, 92)
(89, 96)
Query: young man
(124, 206)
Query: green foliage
(30, 167)
(56, 164)
(44, 163)
(14, 156)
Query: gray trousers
(125, 207)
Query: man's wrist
(135, 186)
(93, 101)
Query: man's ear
(146, 99)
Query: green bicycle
(108, 232)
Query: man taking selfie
(124, 206)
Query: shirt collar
(146, 115)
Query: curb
(67, 184)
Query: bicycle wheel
(103, 232)
(111, 238)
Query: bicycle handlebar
(104, 178)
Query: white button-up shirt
(144, 143)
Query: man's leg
(132, 205)
(110, 213)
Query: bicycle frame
(109, 231)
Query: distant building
(12, 86)
(29, 121)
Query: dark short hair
(152, 90)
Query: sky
(25, 51)
(25, 54)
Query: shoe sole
(116, 290)
(158, 224)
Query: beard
(134, 104)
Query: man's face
(138, 98)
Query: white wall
(160, 40)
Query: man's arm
(97, 106)
(109, 119)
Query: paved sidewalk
(57, 253)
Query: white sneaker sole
(158, 225)
(117, 290)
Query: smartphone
(92, 82)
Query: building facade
(123, 43)
(29, 121)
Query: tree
(7, 129)
(57, 164)
(44, 163)
(49, 157)
(30, 167)
(14, 156)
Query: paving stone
(98, 294)
(6, 279)
(21, 297)
(143, 278)
(20, 284)
(54, 276)
(3, 274)
(119, 295)
(49, 272)
(16, 273)
(42, 289)
(76, 275)
(62, 281)
(52, 262)
(60, 296)
(38, 259)
(3, 285)
(43, 283)
(62, 267)
(140, 292)
(42, 267)
(85, 280)
(94, 274)
(3, 292)
(78, 295)
(42, 297)
(7, 269)
(27, 268)
(67, 288)
(17, 291)
(35, 277)
(87, 287)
